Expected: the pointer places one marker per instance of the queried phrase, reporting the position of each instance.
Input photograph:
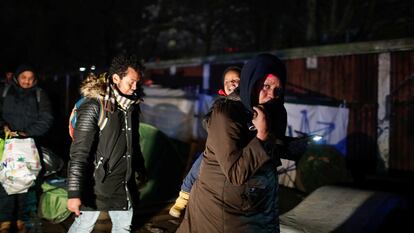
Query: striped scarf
(113, 95)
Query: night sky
(60, 36)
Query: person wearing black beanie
(25, 111)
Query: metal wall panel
(402, 111)
(350, 79)
(353, 79)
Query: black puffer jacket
(103, 163)
(22, 110)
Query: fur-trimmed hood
(94, 87)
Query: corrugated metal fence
(349, 74)
(346, 73)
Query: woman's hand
(259, 121)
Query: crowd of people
(233, 183)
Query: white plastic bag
(20, 165)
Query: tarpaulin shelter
(165, 160)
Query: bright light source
(93, 67)
(82, 69)
(316, 138)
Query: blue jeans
(192, 174)
(121, 221)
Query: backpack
(74, 114)
(52, 203)
(7, 87)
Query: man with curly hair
(104, 161)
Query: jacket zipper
(128, 155)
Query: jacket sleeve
(85, 135)
(2, 122)
(44, 120)
(237, 162)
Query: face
(9, 76)
(270, 85)
(26, 79)
(128, 84)
(231, 81)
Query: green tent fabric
(52, 204)
(165, 160)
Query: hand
(259, 121)
(74, 205)
(21, 133)
(15, 134)
(7, 130)
(12, 134)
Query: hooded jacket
(103, 163)
(22, 110)
(255, 70)
(236, 190)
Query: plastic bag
(20, 165)
(1, 147)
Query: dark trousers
(15, 206)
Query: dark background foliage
(62, 35)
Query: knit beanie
(22, 68)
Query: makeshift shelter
(165, 160)
(341, 209)
(179, 116)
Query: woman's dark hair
(120, 64)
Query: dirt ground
(157, 220)
(147, 221)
